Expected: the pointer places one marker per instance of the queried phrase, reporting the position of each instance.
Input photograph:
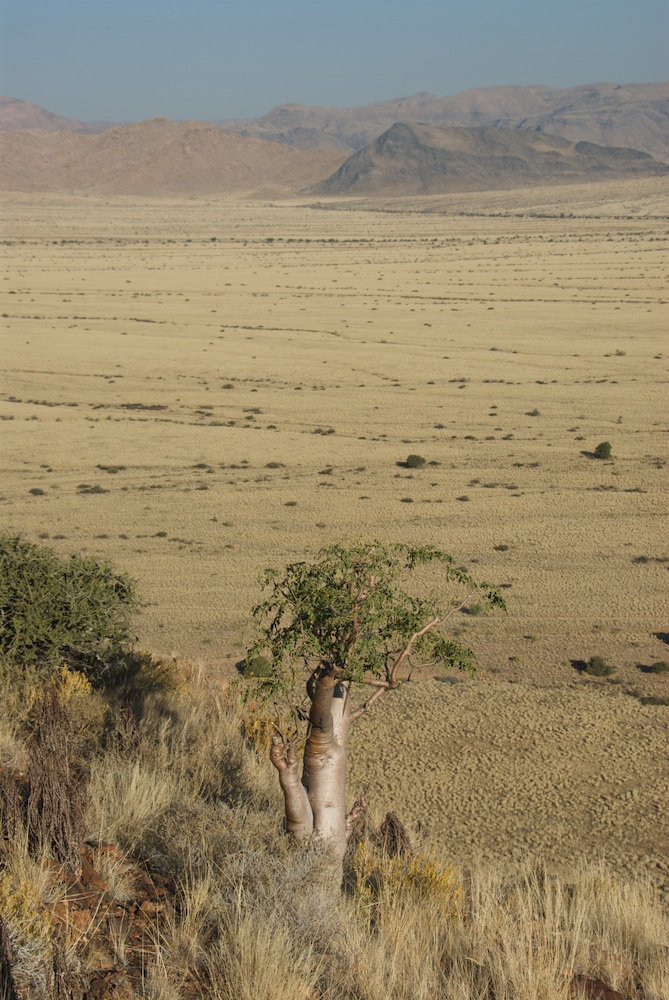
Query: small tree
(347, 620)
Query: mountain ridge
(634, 115)
(414, 159)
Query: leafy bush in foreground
(51, 604)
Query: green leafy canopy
(351, 609)
(50, 604)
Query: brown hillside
(423, 159)
(16, 114)
(156, 157)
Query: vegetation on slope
(142, 855)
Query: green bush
(597, 666)
(660, 667)
(603, 450)
(257, 666)
(50, 604)
(415, 462)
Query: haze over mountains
(634, 115)
(494, 137)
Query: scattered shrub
(87, 488)
(603, 450)
(597, 666)
(414, 462)
(660, 667)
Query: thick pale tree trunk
(315, 802)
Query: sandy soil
(500, 336)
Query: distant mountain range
(498, 137)
(412, 159)
(632, 115)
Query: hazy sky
(126, 60)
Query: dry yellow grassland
(238, 380)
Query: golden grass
(254, 917)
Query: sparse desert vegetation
(209, 410)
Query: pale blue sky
(126, 60)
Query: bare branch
(299, 816)
(407, 649)
(358, 810)
(355, 715)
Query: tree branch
(299, 816)
(355, 715)
(407, 649)
(358, 810)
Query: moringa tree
(348, 620)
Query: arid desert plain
(201, 388)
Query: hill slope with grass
(142, 855)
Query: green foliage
(51, 604)
(415, 462)
(597, 666)
(603, 450)
(257, 666)
(350, 609)
(660, 667)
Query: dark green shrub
(603, 450)
(257, 666)
(597, 666)
(50, 605)
(661, 667)
(87, 488)
(415, 462)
